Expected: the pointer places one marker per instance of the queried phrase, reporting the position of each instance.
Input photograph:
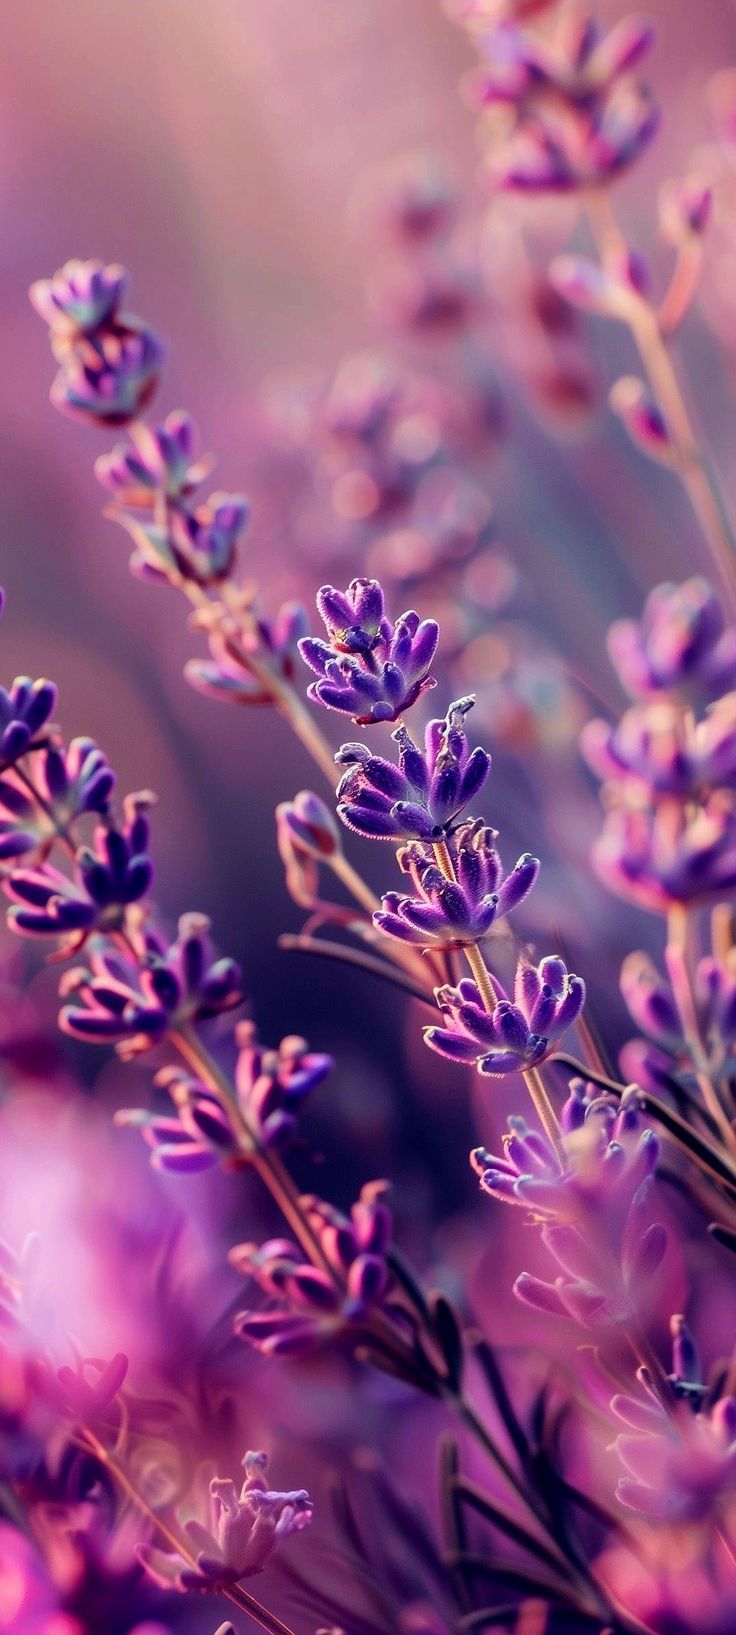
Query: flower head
(109, 361)
(680, 646)
(594, 1211)
(421, 798)
(244, 1528)
(670, 854)
(25, 710)
(133, 1003)
(460, 911)
(271, 1086)
(108, 876)
(368, 668)
(313, 1304)
(71, 782)
(662, 1057)
(272, 641)
(518, 1033)
(680, 1466)
(157, 461)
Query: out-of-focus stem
(545, 1112)
(690, 464)
(677, 955)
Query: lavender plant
(542, 1536)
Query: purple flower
(243, 1530)
(663, 1058)
(368, 668)
(70, 782)
(657, 749)
(680, 1465)
(306, 835)
(581, 118)
(134, 1003)
(88, 1399)
(681, 645)
(313, 1304)
(273, 642)
(270, 1086)
(594, 1213)
(421, 798)
(110, 362)
(109, 876)
(462, 911)
(673, 854)
(81, 296)
(196, 546)
(24, 712)
(516, 1034)
(157, 462)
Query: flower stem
(696, 476)
(545, 1112)
(679, 927)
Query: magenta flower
(133, 1004)
(115, 872)
(271, 1086)
(110, 362)
(662, 1057)
(421, 798)
(244, 1529)
(158, 461)
(517, 1034)
(312, 1304)
(595, 1214)
(70, 781)
(655, 749)
(368, 668)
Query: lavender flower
(581, 118)
(24, 713)
(195, 546)
(422, 797)
(314, 1304)
(70, 782)
(110, 361)
(243, 1531)
(134, 1003)
(240, 628)
(462, 911)
(656, 749)
(270, 1085)
(157, 462)
(594, 1213)
(80, 297)
(517, 1034)
(369, 668)
(681, 645)
(680, 1466)
(109, 876)
(663, 1056)
(674, 854)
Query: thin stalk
(690, 464)
(677, 955)
(545, 1112)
